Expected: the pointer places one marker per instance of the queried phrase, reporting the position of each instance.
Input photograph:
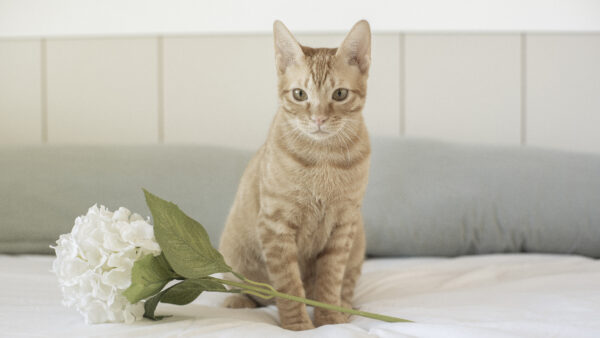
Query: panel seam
(43, 92)
(160, 90)
(523, 89)
(402, 80)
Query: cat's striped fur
(296, 221)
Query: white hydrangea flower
(93, 263)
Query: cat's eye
(299, 94)
(340, 94)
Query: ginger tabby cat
(296, 221)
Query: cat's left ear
(356, 48)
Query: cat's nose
(319, 120)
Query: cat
(296, 221)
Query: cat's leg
(331, 266)
(278, 241)
(240, 257)
(354, 266)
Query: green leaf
(183, 241)
(148, 276)
(188, 290)
(150, 306)
(180, 294)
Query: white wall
(35, 18)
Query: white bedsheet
(474, 296)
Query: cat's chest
(323, 184)
(323, 188)
(315, 227)
(313, 196)
(322, 194)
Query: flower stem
(268, 291)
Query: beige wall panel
(563, 91)
(222, 89)
(20, 92)
(102, 91)
(219, 90)
(463, 87)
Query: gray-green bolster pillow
(424, 198)
(430, 198)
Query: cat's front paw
(325, 317)
(300, 326)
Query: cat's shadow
(194, 312)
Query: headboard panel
(510, 88)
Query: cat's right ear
(287, 49)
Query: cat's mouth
(319, 132)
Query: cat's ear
(287, 49)
(356, 48)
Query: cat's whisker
(348, 140)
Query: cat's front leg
(331, 265)
(278, 241)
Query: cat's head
(322, 90)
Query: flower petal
(94, 262)
(117, 278)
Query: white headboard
(539, 89)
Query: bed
(526, 295)
(466, 241)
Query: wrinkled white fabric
(516, 295)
